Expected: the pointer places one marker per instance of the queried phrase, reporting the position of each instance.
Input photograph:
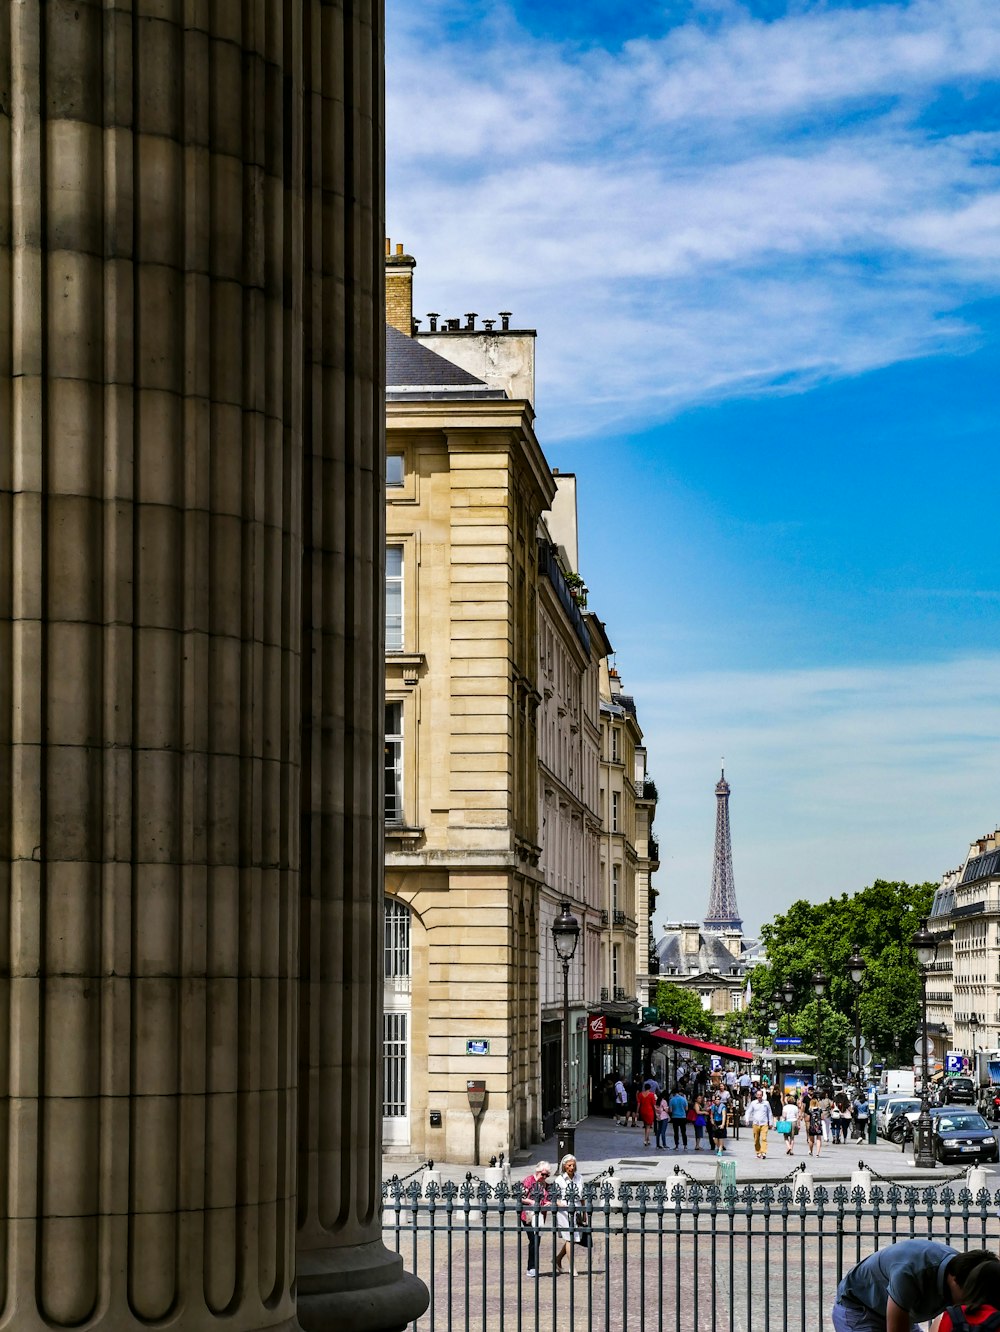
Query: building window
(615, 884)
(615, 972)
(737, 1002)
(614, 811)
(394, 763)
(397, 939)
(394, 1052)
(394, 469)
(614, 744)
(394, 598)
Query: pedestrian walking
(860, 1115)
(567, 1190)
(719, 1115)
(646, 1110)
(814, 1127)
(678, 1118)
(825, 1107)
(790, 1116)
(536, 1214)
(621, 1099)
(898, 1287)
(662, 1120)
(775, 1100)
(759, 1118)
(700, 1122)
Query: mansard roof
(712, 956)
(411, 367)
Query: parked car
(963, 1135)
(958, 1091)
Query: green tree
(679, 1008)
(834, 1033)
(879, 920)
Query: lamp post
(856, 968)
(819, 982)
(565, 935)
(925, 947)
(973, 1028)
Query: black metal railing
(648, 1258)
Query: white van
(896, 1082)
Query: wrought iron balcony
(604, 918)
(620, 993)
(620, 917)
(604, 994)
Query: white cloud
(726, 209)
(895, 767)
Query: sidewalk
(601, 1143)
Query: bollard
(862, 1179)
(803, 1180)
(431, 1176)
(976, 1178)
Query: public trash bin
(725, 1174)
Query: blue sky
(761, 246)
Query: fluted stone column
(347, 1278)
(166, 241)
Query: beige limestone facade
(647, 850)
(975, 947)
(191, 555)
(461, 805)
(621, 736)
(571, 646)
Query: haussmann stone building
(191, 615)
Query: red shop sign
(597, 1027)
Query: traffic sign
(919, 1047)
(785, 1041)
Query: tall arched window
(396, 1025)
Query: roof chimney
(399, 288)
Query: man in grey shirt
(896, 1289)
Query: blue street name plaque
(785, 1042)
(477, 1047)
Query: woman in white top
(790, 1112)
(566, 1182)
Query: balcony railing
(605, 994)
(604, 918)
(620, 993)
(654, 849)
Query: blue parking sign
(953, 1063)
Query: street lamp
(925, 947)
(856, 968)
(565, 935)
(819, 983)
(974, 1027)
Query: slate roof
(944, 901)
(712, 955)
(410, 365)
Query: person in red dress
(645, 1104)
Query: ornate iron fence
(648, 1258)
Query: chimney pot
(453, 325)
(470, 319)
(399, 247)
(488, 325)
(433, 316)
(388, 247)
(505, 320)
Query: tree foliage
(880, 921)
(682, 1010)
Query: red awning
(692, 1043)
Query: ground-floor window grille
(394, 1065)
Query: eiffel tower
(723, 913)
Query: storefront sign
(597, 1027)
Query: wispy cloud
(896, 768)
(735, 207)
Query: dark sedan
(963, 1135)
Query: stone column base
(360, 1286)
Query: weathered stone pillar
(346, 1277)
(164, 233)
